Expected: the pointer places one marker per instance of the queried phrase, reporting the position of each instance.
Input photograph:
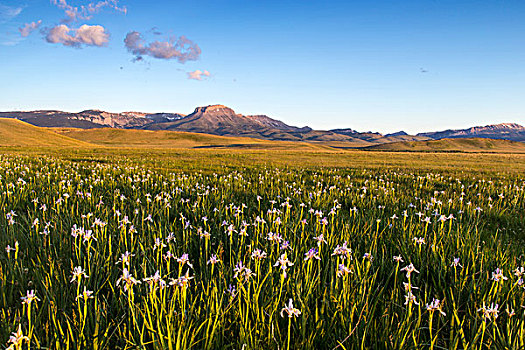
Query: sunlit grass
(124, 252)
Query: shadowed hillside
(174, 139)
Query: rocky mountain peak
(214, 109)
(513, 126)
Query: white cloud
(28, 28)
(181, 49)
(198, 75)
(9, 12)
(85, 35)
(74, 13)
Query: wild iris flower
(283, 263)
(290, 310)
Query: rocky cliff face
(113, 120)
(507, 131)
(92, 119)
(214, 109)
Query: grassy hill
(176, 139)
(14, 132)
(453, 145)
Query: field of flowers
(116, 255)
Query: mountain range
(223, 121)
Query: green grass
(454, 145)
(229, 203)
(174, 139)
(215, 159)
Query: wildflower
(204, 234)
(243, 271)
(184, 260)
(213, 260)
(156, 278)
(77, 231)
(409, 269)
(498, 275)
(158, 244)
(30, 296)
(258, 254)
(398, 258)
(88, 236)
(285, 245)
(342, 270)
(368, 256)
(168, 255)
(456, 263)
(78, 273)
(283, 263)
(419, 240)
(274, 237)
(11, 217)
(17, 338)
(125, 258)
(86, 294)
(128, 279)
(171, 237)
(510, 312)
(232, 291)
(519, 271)
(258, 220)
(183, 281)
(320, 239)
(98, 222)
(238, 269)
(290, 310)
(410, 298)
(312, 254)
(489, 312)
(408, 287)
(230, 229)
(435, 305)
(343, 251)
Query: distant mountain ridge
(505, 131)
(91, 118)
(224, 121)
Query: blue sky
(369, 65)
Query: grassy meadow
(160, 248)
